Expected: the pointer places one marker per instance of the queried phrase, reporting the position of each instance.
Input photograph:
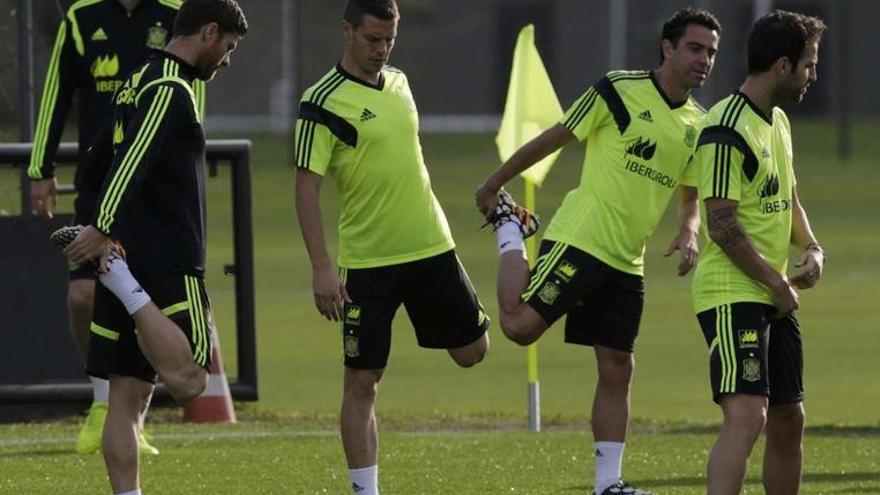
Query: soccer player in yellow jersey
(743, 298)
(641, 128)
(359, 124)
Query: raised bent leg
(167, 349)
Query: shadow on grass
(824, 431)
(839, 478)
(37, 453)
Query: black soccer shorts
(752, 353)
(438, 296)
(113, 346)
(603, 305)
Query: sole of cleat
(62, 237)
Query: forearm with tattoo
(725, 229)
(728, 233)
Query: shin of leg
(744, 418)
(358, 418)
(783, 452)
(513, 278)
(127, 398)
(611, 402)
(472, 353)
(80, 301)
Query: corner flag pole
(531, 107)
(534, 387)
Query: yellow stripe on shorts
(104, 332)
(543, 267)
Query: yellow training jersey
(638, 149)
(744, 157)
(367, 138)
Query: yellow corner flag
(531, 107)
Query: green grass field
(448, 430)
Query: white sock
(123, 285)
(365, 481)
(133, 492)
(509, 238)
(609, 458)
(100, 389)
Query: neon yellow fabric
(531, 107)
(743, 157)
(638, 151)
(366, 138)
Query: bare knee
(471, 354)
(361, 385)
(789, 416)
(518, 329)
(614, 366)
(128, 396)
(187, 384)
(745, 414)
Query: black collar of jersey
(378, 86)
(672, 105)
(758, 112)
(188, 72)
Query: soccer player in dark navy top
(152, 204)
(99, 42)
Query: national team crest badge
(751, 370)
(157, 37)
(690, 136)
(549, 292)
(351, 346)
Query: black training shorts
(603, 305)
(113, 346)
(750, 352)
(437, 294)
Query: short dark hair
(194, 14)
(781, 34)
(675, 26)
(355, 10)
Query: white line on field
(224, 435)
(195, 435)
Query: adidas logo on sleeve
(367, 115)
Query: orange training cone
(214, 405)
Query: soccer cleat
(621, 488)
(144, 446)
(65, 235)
(62, 237)
(89, 439)
(506, 210)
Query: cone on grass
(214, 405)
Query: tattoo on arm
(725, 229)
